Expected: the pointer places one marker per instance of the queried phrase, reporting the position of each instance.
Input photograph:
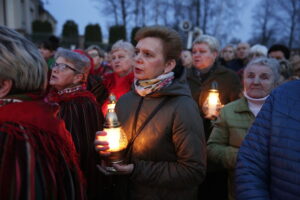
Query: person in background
(257, 51)
(260, 77)
(242, 52)
(241, 57)
(285, 71)
(279, 52)
(37, 155)
(167, 157)
(94, 82)
(186, 58)
(98, 54)
(268, 160)
(48, 49)
(207, 70)
(295, 62)
(79, 110)
(120, 81)
(227, 55)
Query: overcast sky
(84, 12)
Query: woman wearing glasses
(78, 108)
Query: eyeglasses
(93, 55)
(63, 67)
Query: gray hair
(272, 63)
(211, 41)
(258, 48)
(21, 62)
(121, 44)
(100, 51)
(80, 62)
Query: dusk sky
(84, 12)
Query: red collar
(28, 112)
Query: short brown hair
(172, 44)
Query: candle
(213, 102)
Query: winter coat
(83, 119)
(214, 185)
(227, 135)
(169, 155)
(229, 84)
(38, 159)
(268, 165)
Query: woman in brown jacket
(167, 157)
(207, 70)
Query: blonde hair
(211, 41)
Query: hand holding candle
(101, 144)
(103, 148)
(111, 143)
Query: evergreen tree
(117, 32)
(70, 34)
(39, 26)
(93, 33)
(133, 32)
(70, 30)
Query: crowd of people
(53, 103)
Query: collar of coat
(242, 106)
(218, 69)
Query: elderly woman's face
(259, 81)
(64, 75)
(122, 62)
(203, 57)
(150, 61)
(96, 58)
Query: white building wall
(19, 14)
(2, 13)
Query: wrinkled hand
(123, 168)
(115, 169)
(101, 146)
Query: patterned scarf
(145, 87)
(68, 94)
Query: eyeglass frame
(94, 55)
(64, 67)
